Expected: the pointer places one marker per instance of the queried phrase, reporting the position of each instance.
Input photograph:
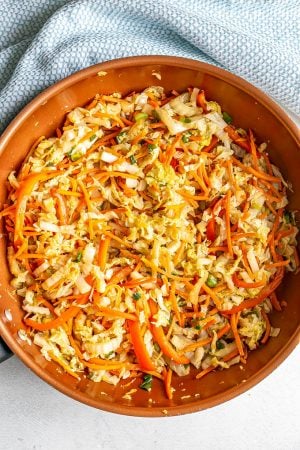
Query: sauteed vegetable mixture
(149, 237)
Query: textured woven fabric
(42, 41)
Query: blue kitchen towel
(43, 41)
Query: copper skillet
(250, 108)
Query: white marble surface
(35, 416)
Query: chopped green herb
(181, 303)
(155, 115)
(186, 137)
(288, 217)
(147, 383)
(132, 159)
(78, 257)
(49, 164)
(151, 147)
(185, 119)
(211, 281)
(227, 117)
(136, 295)
(74, 156)
(140, 116)
(198, 327)
(120, 138)
(109, 354)
(220, 345)
(93, 137)
(186, 366)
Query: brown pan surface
(250, 108)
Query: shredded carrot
(241, 283)
(264, 293)
(227, 220)
(109, 312)
(253, 150)
(233, 322)
(55, 323)
(116, 238)
(103, 251)
(231, 355)
(140, 347)
(174, 304)
(213, 143)
(268, 327)
(237, 139)
(168, 380)
(256, 173)
(160, 338)
(201, 101)
(275, 302)
(214, 297)
(278, 264)
(205, 372)
(120, 275)
(65, 366)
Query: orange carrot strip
(157, 125)
(168, 380)
(213, 143)
(275, 303)
(72, 193)
(8, 210)
(23, 193)
(233, 323)
(264, 293)
(172, 149)
(116, 238)
(268, 327)
(174, 303)
(61, 209)
(217, 249)
(139, 281)
(241, 283)
(256, 173)
(253, 150)
(192, 196)
(237, 139)
(284, 233)
(139, 346)
(227, 220)
(214, 297)
(110, 366)
(160, 337)
(120, 275)
(48, 304)
(278, 264)
(60, 320)
(75, 346)
(201, 101)
(231, 355)
(64, 366)
(32, 255)
(103, 252)
(109, 312)
(205, 372)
